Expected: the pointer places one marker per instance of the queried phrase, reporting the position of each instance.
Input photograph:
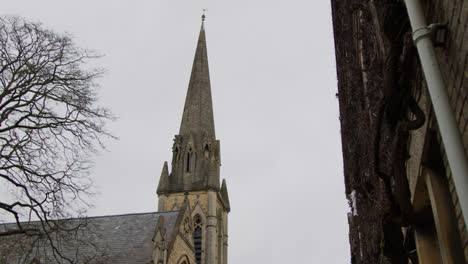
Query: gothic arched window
(175, 157)
(197, 239)
(189, 160)
(207, 151)
(184, 260)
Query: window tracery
(187, 227)
(197, 238)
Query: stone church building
(191, 225)
(193, 186)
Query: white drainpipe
(448, 127)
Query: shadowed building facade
(407, 195)
(190, 226)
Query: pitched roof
(108, 239)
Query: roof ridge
(98, 216)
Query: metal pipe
(448, 126)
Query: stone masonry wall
(175, 200)
(179, 250)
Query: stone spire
(195, 165)
(196, 152)
(198, 110)
(225, 196)
(163, 179)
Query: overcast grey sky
(273, 80)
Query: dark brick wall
(453, 61)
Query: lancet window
(197, 238)
(207, 151)
(189, 160)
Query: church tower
(195, 178)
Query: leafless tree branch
(50, 125)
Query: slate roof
(109, 239)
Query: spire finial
(203, 16)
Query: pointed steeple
(163, 185)
(196, 152)
(225, 196)
(198, 110)
(195, 170)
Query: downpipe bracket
(437, 31)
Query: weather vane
(203, 16)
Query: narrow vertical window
(197, 239)
(207, 151)
(189, 160)
(175, 157)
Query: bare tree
(50, 125)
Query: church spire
(198, 110)
(196, 152)
(195, 168)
